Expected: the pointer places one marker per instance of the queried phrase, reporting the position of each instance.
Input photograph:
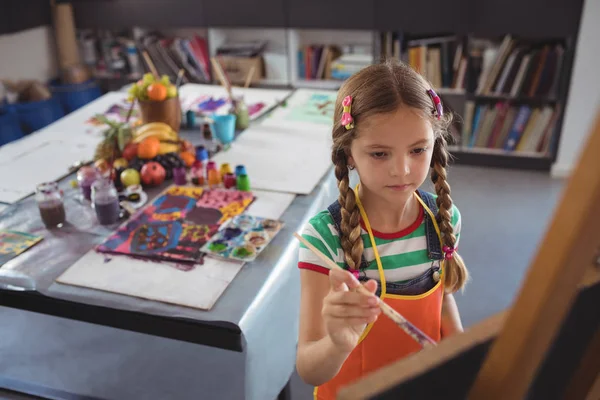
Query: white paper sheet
(161, 281)
(281, 159)
(43, 160)
(47, 154)
(191, 94)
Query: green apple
(130, 177)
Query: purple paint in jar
(106, 202)
(180, 176)
(50, 203)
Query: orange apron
(383, 342)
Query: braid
(350, 236)
(456, 274)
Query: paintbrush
(386, 309)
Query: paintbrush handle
(388, 311)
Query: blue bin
(74, 96)
(37, 114)
(10, 129)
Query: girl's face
(392, 153)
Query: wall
(584, 93)
(28, 54)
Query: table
(263, 294)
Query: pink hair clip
(347, 120)
(448, 252)
(437, 103)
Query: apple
(130, 177)
(130, 151)
(153, 174)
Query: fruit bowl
(167, 111)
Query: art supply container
(225, 169)
(224, 127)
(243, 183)
(213, 178)
(86, 176)
(207, 132)
(190, 117)
(242, 115)
(179, 176)
(240, 170)
(201, 154)
(106, 202)
(229, 181)
(50, 202)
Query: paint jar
(179, 176)
(213, 178)
(242, 115)
(50, 202)
(106, 202)
(240, 170)
(201, 154)
(229, 181)
(86, 176)
(225, 169)
(243, 183)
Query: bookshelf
(463, 35)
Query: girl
(399, 241)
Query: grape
(165, 80)
(148, 79)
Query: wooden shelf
(325, 84)
(500, 158)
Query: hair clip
(436, 102)
(347, 119)
(448, 252)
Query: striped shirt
(403, 254)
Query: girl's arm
(450, 316)
(318, 360)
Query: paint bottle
(180, 176)
(212, 174)
(229, 181)
(243, 183)
(225, 169)
(242, 115)
(50, 203)
(240, 170)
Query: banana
(161, 133)
(168, 148)
(153, 126)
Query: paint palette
(243, 237)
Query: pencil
(386, 309)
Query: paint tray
(242, 238)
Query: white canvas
(160, 281)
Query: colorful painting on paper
(318, 108)
(221, 105)
(117, 113)
(176, 225)
(13, 243)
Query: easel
(547, 345)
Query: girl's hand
(347, 312)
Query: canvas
(176, 225)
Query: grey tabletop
(37, 268)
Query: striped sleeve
(322, 234)
(456, 223)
